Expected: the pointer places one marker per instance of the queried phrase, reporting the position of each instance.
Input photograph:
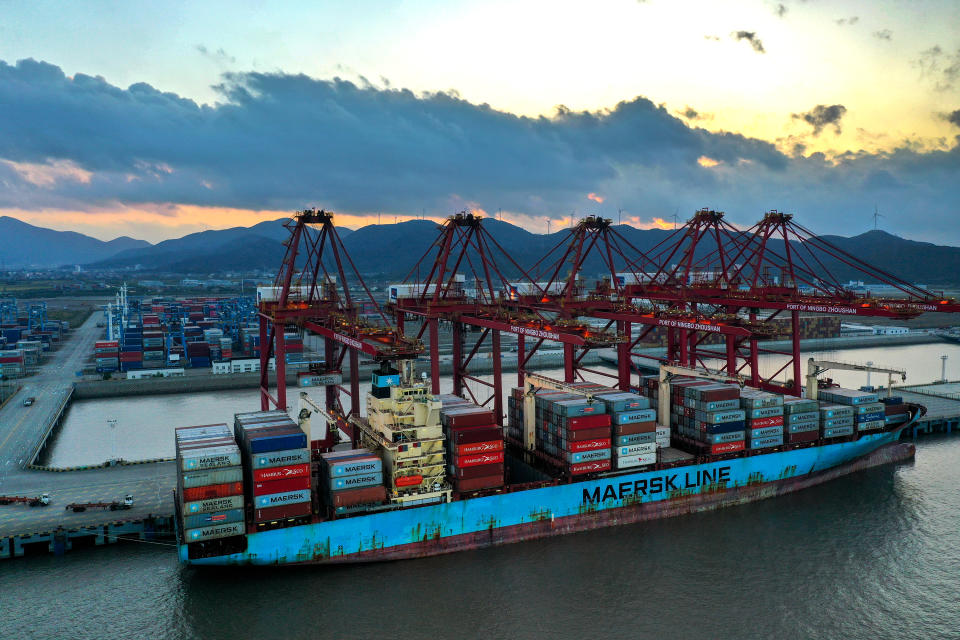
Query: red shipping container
(479, 447)
(279, 473)
(727, 447)
(759, 423)
(588, 445)
(475, 484)
(633, 428)
(470, 435)
(409, 481)
(480, 471)
(467, 418)
(588, 434)
(280, 486)
(589, 422)
(483, 458)
(805, 436)
(363, 495)
(590, 467)
(213, 491)
(282, 512)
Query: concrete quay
(23, 434)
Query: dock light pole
(112, 423)
(943, 368)
(869, 364)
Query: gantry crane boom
(816, 367)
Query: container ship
(427, 474)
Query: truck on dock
(37, 501)
(115, 505)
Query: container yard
(152, 337)
(27, 336)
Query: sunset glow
(755, 105)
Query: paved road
(150, 484)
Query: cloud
(278, 142)
(943, 69)
(219, 56)
(595, 198)
(852, 20)
(713, 38)
(751, 37)
(692, 114)
(821, 116)
(883, 34)
(780, 10)
(953, 117)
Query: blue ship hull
(560, 509)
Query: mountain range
(394, 251)
(24, 245)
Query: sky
(155, 120)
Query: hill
(25, 245)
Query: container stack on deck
(209, 483)
(895, 411)
(764, 418)
(836, 421)
(352, 480)
(474, 445)
(276, 465)
(707, 416)
(866, 409)
(634, 428)
(801, 420)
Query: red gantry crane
(621, 263)
(319, 290)
(775, 266)
(472, 281)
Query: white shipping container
(627, 462)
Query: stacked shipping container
(276, 465)
(209, 482)
(353, 480)
(763, 417)
(475, 451)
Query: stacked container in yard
(276, 465)
(353, 480)
(867, 410)
(801, 420)
(836, 421)
(474, 445)
(209, 483)
(707, 416)
(107, 355)
(764, 418)
(11, 364)
(574, 431)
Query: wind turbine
(876, 217)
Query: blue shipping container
(264, 442)
(356, 482)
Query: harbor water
(139, 428)
(872, 555)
